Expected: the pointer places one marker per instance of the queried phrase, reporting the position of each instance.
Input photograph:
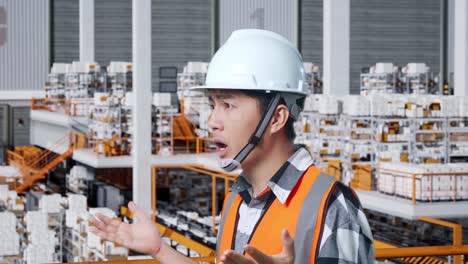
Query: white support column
(141, 145)
(461, 48)
(336, 19)
(87, 30)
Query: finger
(106, 220)
(136, 211)
(288, 244)
(99, 233)
(237, 258)
(113, 227)
(98, 224)
(257, 255)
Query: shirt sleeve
(346, 236)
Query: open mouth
(221, 149)
(220, 145)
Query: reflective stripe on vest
(298, 215)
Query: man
(282, 209)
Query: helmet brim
(206, 88)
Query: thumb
(288, 244)
(137, 212)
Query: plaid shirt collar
(283, 181)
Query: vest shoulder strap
(227, 205)
(311, 215)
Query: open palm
(141, 236)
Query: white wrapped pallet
(356, 105)
(328, 105)
(414, 68)
(71, 219)
(119, 67)
(463, 106)
(9, 243)
(384, 67)
(386, 105)
(311, 103)
(7, 221)
(3, 192)
(51, 203)
(161, 99)
(196, 67)
(9, 238)
(442, 186)
(38, 254)
(36, 220)
(77, 203)
(46, 237)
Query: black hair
(264, 99)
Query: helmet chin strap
(256, 136)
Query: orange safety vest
(299, 215)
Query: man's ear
(279, 119)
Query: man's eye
(227, 105)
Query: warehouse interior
(96, 111)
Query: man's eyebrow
(220, 96)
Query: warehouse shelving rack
(379, 83)
(325, 133)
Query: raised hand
(141, 236)
(257, 257)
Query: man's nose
(214, 123)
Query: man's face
(233, 119)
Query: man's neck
(263, 169)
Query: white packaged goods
(39, 254)
(355, 105)
(397, 179)
(84, 67)
(310, 103)
(3, 193)
(51, 203)
(463, 106)
(196, 67)
(59, 68)
(7, 221)
(328, 105)
(9, 238)
(119, 67)
(129, 99)
(9, 243)
(416, 68)
(77, 202)
(162, 99)
(102, 99)
(388, 105)
(310, 67)
(36, 220)
(71, 219)
(383, 67)
(46, 236)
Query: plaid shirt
(346, 236)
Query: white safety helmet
(258, 60)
